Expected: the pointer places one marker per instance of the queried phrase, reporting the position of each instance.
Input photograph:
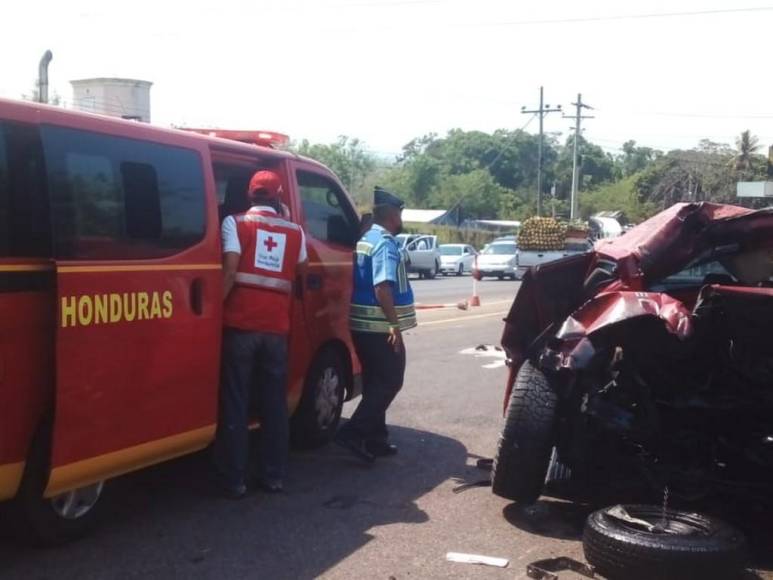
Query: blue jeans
(254, 365)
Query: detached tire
(315, 421)
(692, 546)
(524, 449)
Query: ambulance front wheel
(315, 421)
(56, 520)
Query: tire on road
(315, 421)
(52, 521)
(526, 442)
(460, 271)
(694, 546)
(432, 272)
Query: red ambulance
(111, 301)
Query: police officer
(382, 308)
(262, 253)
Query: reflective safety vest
(366, 314)
(260, 299)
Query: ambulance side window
(329, 215)
(119, 198)
(232, 181)
(24, 223)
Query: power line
(617, 17)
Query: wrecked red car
(650, 355)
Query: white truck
(423, 254)
(526, 259)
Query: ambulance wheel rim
(327, 396)
(78, 502)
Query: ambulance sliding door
(139, 302)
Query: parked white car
(423, 254)
(498, 259)
(456, 258)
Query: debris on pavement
(477, 559)
(548, 569)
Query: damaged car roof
(669, 241)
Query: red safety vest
(260, 299)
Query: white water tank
(124, 98)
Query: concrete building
(124, 98)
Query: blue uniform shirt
(379, 259)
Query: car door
(139, 303)
(332, 229)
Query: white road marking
(490, 351)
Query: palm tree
(747, 145)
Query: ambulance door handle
(197, 296)
(314, 282)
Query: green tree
(746, 147)
(347, 157)
(635, 159)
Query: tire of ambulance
(432, 272)
(525, 445)
(58, 520)
(315, 421)
(693, 546)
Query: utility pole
(578, 117)
(542, 111)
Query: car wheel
(315, 421)
(59, 519)
(526, 442)
(460, 271)
(500, 276)
(635, 542)
(432, 272)
(512, 277)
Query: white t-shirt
(230, 236)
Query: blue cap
(382, 197)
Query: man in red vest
(262, 254)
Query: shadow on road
(164, 521)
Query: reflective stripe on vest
(364, 318)
(270, 221)
(258, 281)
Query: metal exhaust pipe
(43, 76)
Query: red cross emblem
(270, 244)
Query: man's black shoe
(269, 485)
(232, 491)
(381, 448)
(355, 446)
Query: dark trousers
(254, 365)
(383, 371)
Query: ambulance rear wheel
(63, 518)
(315, 421)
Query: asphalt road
(340, 519)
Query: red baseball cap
(264, 184)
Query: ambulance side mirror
(366, 221)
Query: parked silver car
(497, 259)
